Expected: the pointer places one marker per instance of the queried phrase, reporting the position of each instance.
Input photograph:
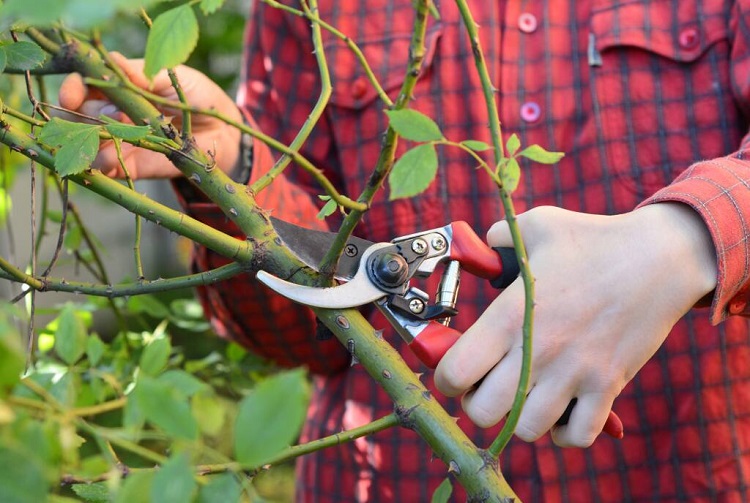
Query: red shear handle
(433, 342)
(474, 255)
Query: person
(645, 216)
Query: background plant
(100, 415)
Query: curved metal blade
(310, 246)
(357, 292)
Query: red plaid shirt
(635, 93)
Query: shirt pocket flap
(388, 58)
(681, 31)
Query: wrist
(683, 243)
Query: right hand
(200, 91)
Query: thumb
(499, 235)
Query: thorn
(454, 468)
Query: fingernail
(110, 111)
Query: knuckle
(481, 415)
(528, 433)
(451, 380)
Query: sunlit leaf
(174, 482)
(173, 36)
(512, 145)
(540, 155)
(413, 172)
(443, 493)
(6, 206)
(476, 146)
(414, 125)
(211, 6)
(270, 417)
(76, 144)
(328, 209)
(511, 175)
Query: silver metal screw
(438, 243)
(350, 250)
(419, 246)
(416, 306)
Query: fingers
(493, 398)
(586, 421)
(483, 345)
(499, 235)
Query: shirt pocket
(357, 118)
(660, 84)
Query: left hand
(608, 291)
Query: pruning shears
(381, 273)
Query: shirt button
(530, 111)
(527, 22)
(689, 38)
(359, 88)
(737, 306)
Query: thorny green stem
(140, 287)
(296, 451)
(138, 224)
(528, 281)
(388, 149)
(298, 158)
(325, 94)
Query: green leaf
(476, 146)
(270, 417)
(210, 412)
(539, 154)
(414, 125)
(70, 337)
(6, 206)
(165, 408)
(413, 172)
(222, 489)
(211, 6)
(95, 349)
(128, 132)
(24, 55)
(182, 382)
(327, 210)
(22, 477)
(73, 237)
(136, 488)
(76, 144)
(155, 356)
(38, 12)
(148, 304)
(12, 359)
(172, 38)
(443, 493)
(512, 145)
(174, 482)
(93, 493)
(3, 59)
(511, 175)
